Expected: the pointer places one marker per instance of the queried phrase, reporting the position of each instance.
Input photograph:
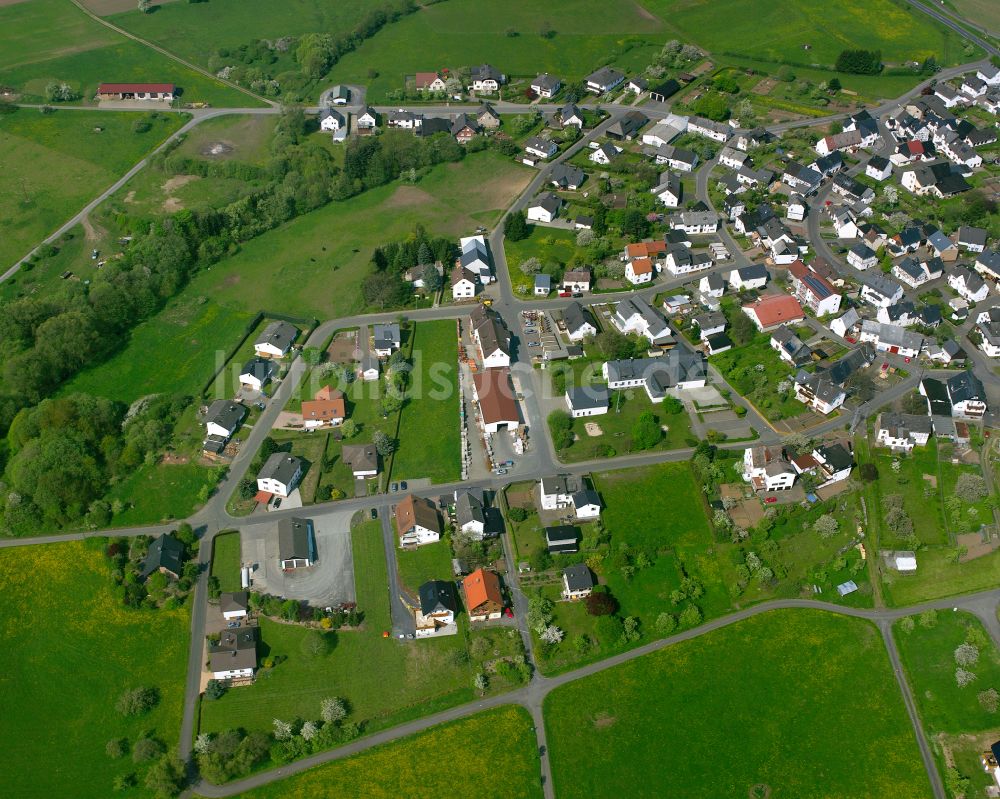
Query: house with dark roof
(438, 605)
(361, 458)
(604, 80)
(546, 85)
(562, 538)
(901, 432)
(257, 373)
(275, 340)
(567, 176)
(664, 91)
(296, 543)
(234, 658)
(234, 604)
(280, 474)
(417, 521)
(591, 400)
(578, 582)
(165, 555)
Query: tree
(966, 654)
(333, 710)
(123, 782)
(600, 225)
(630, 629)
(615, 346)
(203, 743)
(147, 749)
(928, 619)
(552, 634)
(145, 6)
(859, 62)
(116, 748)
(384, 445)
(167, 776)
(826, 526)
(690, 616)
(600, 603)
(349, 428)
(315, 644)
(989, 700)
(214, 689)
(530, 266)
(136, 701)
(712, 105)
(282, 730)
(481, 682)
(743, 329)
(646, 432)
(516, 227)
(666, 623)
(516, 514)
(431, 277)
(956, 782)
(634, 224)
(970, 487)
(833, 84)
(964, 678)
(561, 429)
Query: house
(717, 131)
(852, 190)
(749, 277)
(948, 94)
(234, 657)
(275, 340)
(766, 469)
(325, 409)
(564, 176)
(669, 190)
(405, 120)
(604, 80)
(878, 168)
(935, 179)
(483, 598)
(386, 338)
(664, 91)
(576, 279)
(437, 608)
(119, 92)
(844, 325)
(544, 208)
(464, 127)
(790, 347)
(988, 326)
(733, 158)
(679, 158)
(989, 74)
(234, 605)
(486, 78)
(475, 257)
(678, 370)
(972, 239)
(491, 336)
(861, 256)
(712, 287)
(709, 323)
(296, 543)
(587, 401)
(943, 247)
(800, 178)
(487, 117)
(720, 342)
(223, 418)
(417, 521)
(828, 165)
(369, 368)
(639, 271)
(990, 757)
(900, 432)
(280, 474)
(562, 538)
(967, 395)
(569, 114)
(695, 222)
(681, 260)
(635, 315)
(331, 120)
(429, 82)
(546, 85)
(361, 458)
(768, 313)
(849, 140)
(797, 207)
(819, 392)
(902, 314)
(579, 322)
(604, 154)
(165, 555)
(893, 339)
(557, 492)
(494, 394)
(583, 222)
(628, 126)
(543, 285)
(911, 272)
(367, 120)
(831, 463)
(879, 290)
(813, 290)
(541, 148)
(578, 582)
(463, 283)
(586, 504)
(988, 264)
(970, 285)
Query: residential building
(967, 395)
(566, 176)
(769, 312)
(386, 338)
(361, 458)
(790, 347)
(901, 432)
(604, 80)
(677, 370)
(486, 78)
(429, 81)
(296, 543)
(639, 271)
(417, 521)
(813, 290)
(280, 474)
(166, 556)
(331, 120)
(475, 257)
(831, 463)
(988, 326)
(491, 336)
(542, 285)
(437, 609)
(878, 168)
(579, 322)
(861, 256)
(494, 394)
(275, 340)
(587, 401)
(587, 504)
(669, 190)
(717, 131)
(557, 492)
(578, 582)
(483, 597)
(464, 283)
(970, 285)
(972, 239)
(367, 120)
(891, 338)
(844, 325)
(766, 469)
(576, 279)
(562, 538)
(222, 419)
(604, 154)
(234, 605)
(879, 290)
(749, 277)
(544, 208)
(635, 315)
(234, 658)
(540, 148)
(546, 85)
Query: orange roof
(776, 309)
(635, 250)
(798, 269)
(425, 79)
(642, 266)
(482, 587)
(644, 249)
(653, 247)
(323, 409)
(325, 393)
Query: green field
(429, 436)
(161, 492)
(802, 702)
(755, 370)
(177, 350)
(72, 648)
(938, 575)
(226, 560)
(503, 764)
(982, 13)
(54, 164)
(392, 686)
(313, 265)
(429, 562)
(46, 40)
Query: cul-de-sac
(441, 398)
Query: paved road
(949, 22)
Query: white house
(901, 432)
(604, 154)
(878, 168)
(557, 492)
(386, 338)
(845, 324)
(463, 283)
(486, 78)
(330, 120)
(234, 605)
(712, 287)
(437, 607)
(223, 418)
(861, 256)
(635, 315)
(748, 277)
(546, 85)
(280, 474)
(879, 290)
(368, 119)
(234, 657)
(669, 190)
(813, 290)
(417, 521)
(587, 401)
(604, 80)
(893, 339)
(578, 582)
(639, 271)
(586, 504)
(257, 373)
(544, 208)
(540, 148)
(576, 280)
(275, 340)
(369, 368)
(968, 284)
(579, 323)
(766, 469)
(695, 222)
(796, 208)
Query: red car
(508, 613)
(770, 500)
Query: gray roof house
(296, 543)
(276, 339)
(279, 474)
(166, 554)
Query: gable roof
(437, 596)
(412, 511)
(165, 552)
(481, 588)
(578, 577)
(360, 457)
(295, 539)
(225, 413)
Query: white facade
(419, 536)
(463, 289)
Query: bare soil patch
(932, 479)
(217, 149)
(173, 459)
(604, 720)
(407, 197)
(176, 182)
(975, 546)
(765, 86)
(342, 348)
(593, 429)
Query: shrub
(600, 603)
(136, 701)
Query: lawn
(72, 649)
(917, 491)
(429, 437)
(984, 13)
(785, 685)
(503, 764)
(939, 575)
(177, 350)
(313, 265)
(429, 562)
(226, 560)
(548, 245)
(152, 494)
(47, 40)
(755, 371)
(928, 655)
(391, 687)
(54, 164)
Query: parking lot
(327, 583)
(540, 335)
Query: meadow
(503, 764)
(54, 164)
(983, 13)
(46, 40)
(226, 560)
(161, 492)
(391, 688)
(72, 649)
(771, 696)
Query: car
(394, 486)
(507, 463)
(374, 513)
(770, 500)
(885, 366)
(508, 613)
(499, 470)
(276, 503)
(233, 625)
(534, 344)
(577, 293)
(402, 485)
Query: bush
(517, 514)
(860, 62)
(136, 701)
(147, 749)
(600, 603)
(116, 748)
(561, 428)
(215, 689)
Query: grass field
(983, 13)
(429, 562)
(45, 40)
(785, 685)
(226, 560)
(503, 764)
(938, 575)
(429, 436)
(312, 266)
(917, 491)
(755, 371)
(72, 648)
(162, 492)
(175, 351)
(391, 687)
(54, 164)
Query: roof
(586, 497)
(606, 76)
(281, 467)
(561, 534)
(901, 425)
(752, 272)
(550, 202)
(469, 507)
(546, 82)
(576, 316)
(560, 484)
(165, 552)
(480, 588)
(437, 596)
(225, 413)
(233, 600)
(836, 456)
(667, 88)
(387, 333)
(588, 397)
(121, 88)
(278, 334)
(236, 650)
(567, 175)
(259, 368)
(679, 365)
(412, 511)
(495, 394)
(578, 577)
(965, 386)
(642, 266)
(775, 309)
(360, 457)
(295, 539)
(324, 409)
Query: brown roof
(460, 272)
(642, 266)
(482, 592)
(324, 409)
(776, 309)
(411, 511)
(495, 395)
(425, 79)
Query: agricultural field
(66, 670)
(785, 684)
(48, 40)
(312, 265)
(432, 406)
(41, 151)
(502, 765)
(982, 13)
(393, 686)
(226, 560)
